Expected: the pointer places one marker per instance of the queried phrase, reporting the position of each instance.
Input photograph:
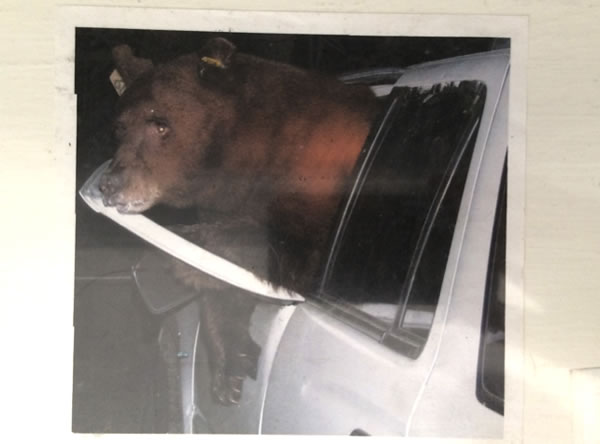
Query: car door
(358, 357)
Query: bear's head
(169, 125)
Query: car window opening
(390, 260)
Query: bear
(249, 143)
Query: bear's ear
(216, 53)
(129, 66)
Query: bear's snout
(111, 185)
(124, 189)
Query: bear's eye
(160, 125)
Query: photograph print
(290, 233)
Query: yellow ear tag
(213, 62)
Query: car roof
(481, 66)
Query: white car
(406, 333)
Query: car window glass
(391, 253)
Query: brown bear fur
(251, 142)
(241, 136)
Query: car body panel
(462, 332)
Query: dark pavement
(115, 351)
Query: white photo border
(450, 25)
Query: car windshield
(389, 256)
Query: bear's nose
(111, 183)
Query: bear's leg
(233, 355)
(243, 351)
(211, 324)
